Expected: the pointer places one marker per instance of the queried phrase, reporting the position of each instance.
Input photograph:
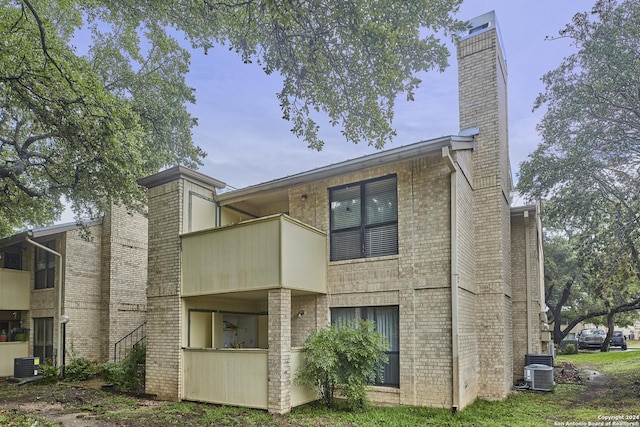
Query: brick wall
(124, 242)
(104, 292)
(279, 358)
(303, 325)
(525, 273)
(417, 280)
(163, 370)
(86, 330)
(483, 104)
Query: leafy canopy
(86, 122)
(588, 165)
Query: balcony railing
(265, 253)
(15, 289)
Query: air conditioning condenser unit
(539, 377)
(25, 367)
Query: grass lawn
(610, 388)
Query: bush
(343, 359)
(50, 373)
(128, 375)
(568, 349)
(80, 369)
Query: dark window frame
(43, 338)
(45, 267)
(367, 224)
(369, 313)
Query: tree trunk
(610, 325)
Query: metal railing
(123, 346)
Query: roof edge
(376, 159)
(178, 172)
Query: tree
(576, 292)
(587, 167)
(343, 358)
(85, 125)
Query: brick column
(279, 369)
(163, 371)
(483, 104)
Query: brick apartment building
(420, 239)
(103, 292)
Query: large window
(43, 338)
(364, 219)
(386, 321)
(45, 266)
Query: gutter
(455, 351)
(27, 239)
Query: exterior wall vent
(480, 24)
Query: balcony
(266, 253)
(237, 377)
(15, 289)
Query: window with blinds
(364, 219)
(387, 322)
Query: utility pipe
(455, 356)
(59, 256)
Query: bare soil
(72, 405)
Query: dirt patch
(567, 374)
(597, 384)
(65, 404)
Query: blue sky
(247, 142)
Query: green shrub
(129, 374)
(80, 369)
(343, 359)
(50, 373)
(568, 349)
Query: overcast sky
(247, 142)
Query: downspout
(527, 268)
(455, 356)
(59, 256)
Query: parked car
(591, 338)
(618, 340)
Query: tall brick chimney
(482, 77)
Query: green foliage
(128, 375)
(80, 369)
(569, 349)
(343, 359)
(587, 166)
(85, 123)
(49, 372)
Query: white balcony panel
(300, 394)
(15, 289)
(8, 352)
(227, 377)
(265, 253)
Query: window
(45, 266)
(387, 323)
(364, 219)
(43, 338)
